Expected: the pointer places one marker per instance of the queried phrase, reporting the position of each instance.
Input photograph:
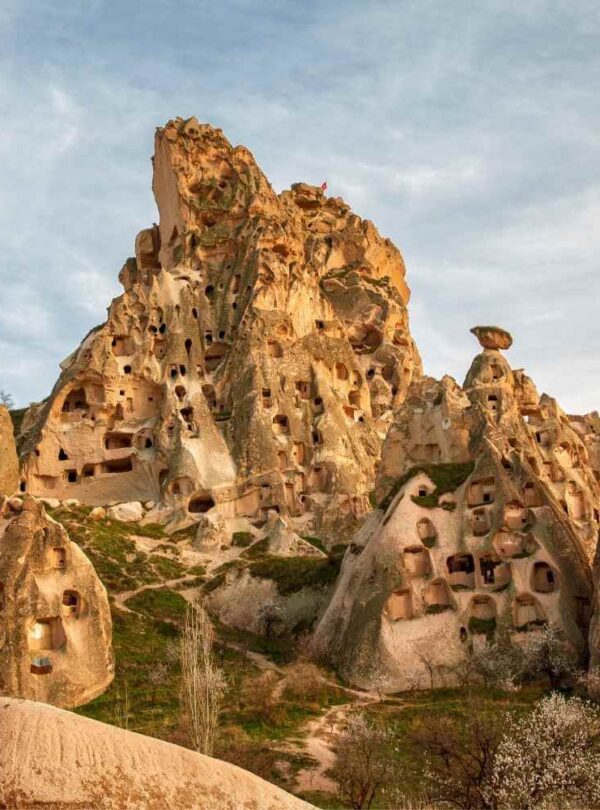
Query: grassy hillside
(273, 713)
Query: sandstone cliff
(55, 623)
(252, 364)
(9, 465)
(487, 519)
(55, 759)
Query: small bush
(242, 539)
(484, 627)
(433, 609)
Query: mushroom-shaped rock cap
(492, 337)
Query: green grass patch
(315, 541)
(168, 569)
(242, 539)
(291, 574)
(257, 550)
(158, 603)
(446, 477)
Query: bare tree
(364, 763)
(6, 399)
(270, 616)
(202, 681)
(122, 707)
(459, 756)
(259, 695)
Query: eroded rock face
(9, 464)
(488, 518)
(53, 758)
(55, 624)
(252, 363)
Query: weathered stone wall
(9, 465)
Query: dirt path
(319, 741)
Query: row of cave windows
(483, 492)
(437, 597)
(274, 349)
(508, 541)
(493, 570)
(76, 402)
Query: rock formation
(55, 624)
(252, 363)
(53, 758)
(9, 465)
(487, 519)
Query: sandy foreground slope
(53, 758)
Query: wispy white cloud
(468, 134)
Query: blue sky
(469, 132)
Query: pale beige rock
(55, 623)
(51, 503)
(53, 758)
(131, 512)
(71, 502)
(211, 533)
(9, 465)
(97, 513)
(492, 337)
(509, 543)
(253, 362)
(284, 542)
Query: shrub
(484, 627)
(304, 682)
(242, 539)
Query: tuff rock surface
(488, 518)
(55, 623)
(53, 758)
(9, 463)
(252, 363)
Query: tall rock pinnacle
(252, 363)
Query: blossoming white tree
(549, 757)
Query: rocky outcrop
(487, 520)
(53, 758)
(55, 623)
(252, 364)
(9, 464)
